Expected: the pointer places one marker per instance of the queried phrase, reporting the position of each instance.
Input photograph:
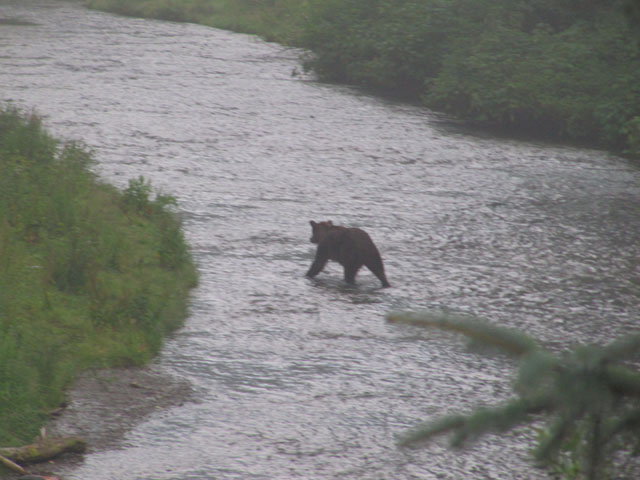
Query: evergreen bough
(589, 395)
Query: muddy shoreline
(104, 405)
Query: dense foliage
(565, 69)
(89, 276)
(590, 397)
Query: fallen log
(44, 449)
(12, 465)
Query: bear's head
(320, 230)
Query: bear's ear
(313, 224)
(329, 223)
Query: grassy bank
(274, 20)
(89, 276)
(565, 69)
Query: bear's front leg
(350, 272)
(318, 263)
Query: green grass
(274, 20)
(89, 276)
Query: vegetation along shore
(565, 70)
(90, 276)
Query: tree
(589, 394)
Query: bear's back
(346, 245)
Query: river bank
(561, 72)
(102, 406)
(91, 277)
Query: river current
(300, 379)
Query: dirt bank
(104, 405)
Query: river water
(304, 379)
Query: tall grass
(86, 280)
(274, 20)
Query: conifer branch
(627, 421)
(557, 434)
(483, 420)
(537, 372)
(499, 419)
(594, 444)
(622, 348)
(623, 381)
(589, 396)
(428, 430)
(507, 339)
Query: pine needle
(622, 348)
(623, 380)
(428, 430)
(509, 340)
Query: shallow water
(304, 379)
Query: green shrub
(632, 130)
(89, 276)
(137, 196)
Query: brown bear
(350, 247)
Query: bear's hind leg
(377, 268)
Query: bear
(350, 247)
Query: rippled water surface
(304, 379)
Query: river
(300, 379)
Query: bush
(89, 276)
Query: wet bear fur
(350, 247)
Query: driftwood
(12, 465)
(44, 449)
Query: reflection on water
(299, 378)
